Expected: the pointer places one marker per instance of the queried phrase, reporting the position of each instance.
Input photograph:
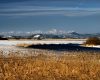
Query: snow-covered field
(8, 43)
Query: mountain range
(49, 34)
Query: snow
(96, 46)
(6, 42)
(36, 36)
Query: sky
(29, 15)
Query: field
(49, 65)
(17, 63)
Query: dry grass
(46, 65)
(22, 45)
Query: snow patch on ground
(39, 42)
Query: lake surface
(63, 47)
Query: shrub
(93, 41)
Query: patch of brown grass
(22, 45)
(44, 66)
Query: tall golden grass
(48, 65)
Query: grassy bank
(46, 65)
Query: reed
(49, 65)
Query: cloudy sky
(28, 15)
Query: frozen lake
(14, 42)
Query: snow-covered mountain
(53, 33)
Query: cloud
(36, 11)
